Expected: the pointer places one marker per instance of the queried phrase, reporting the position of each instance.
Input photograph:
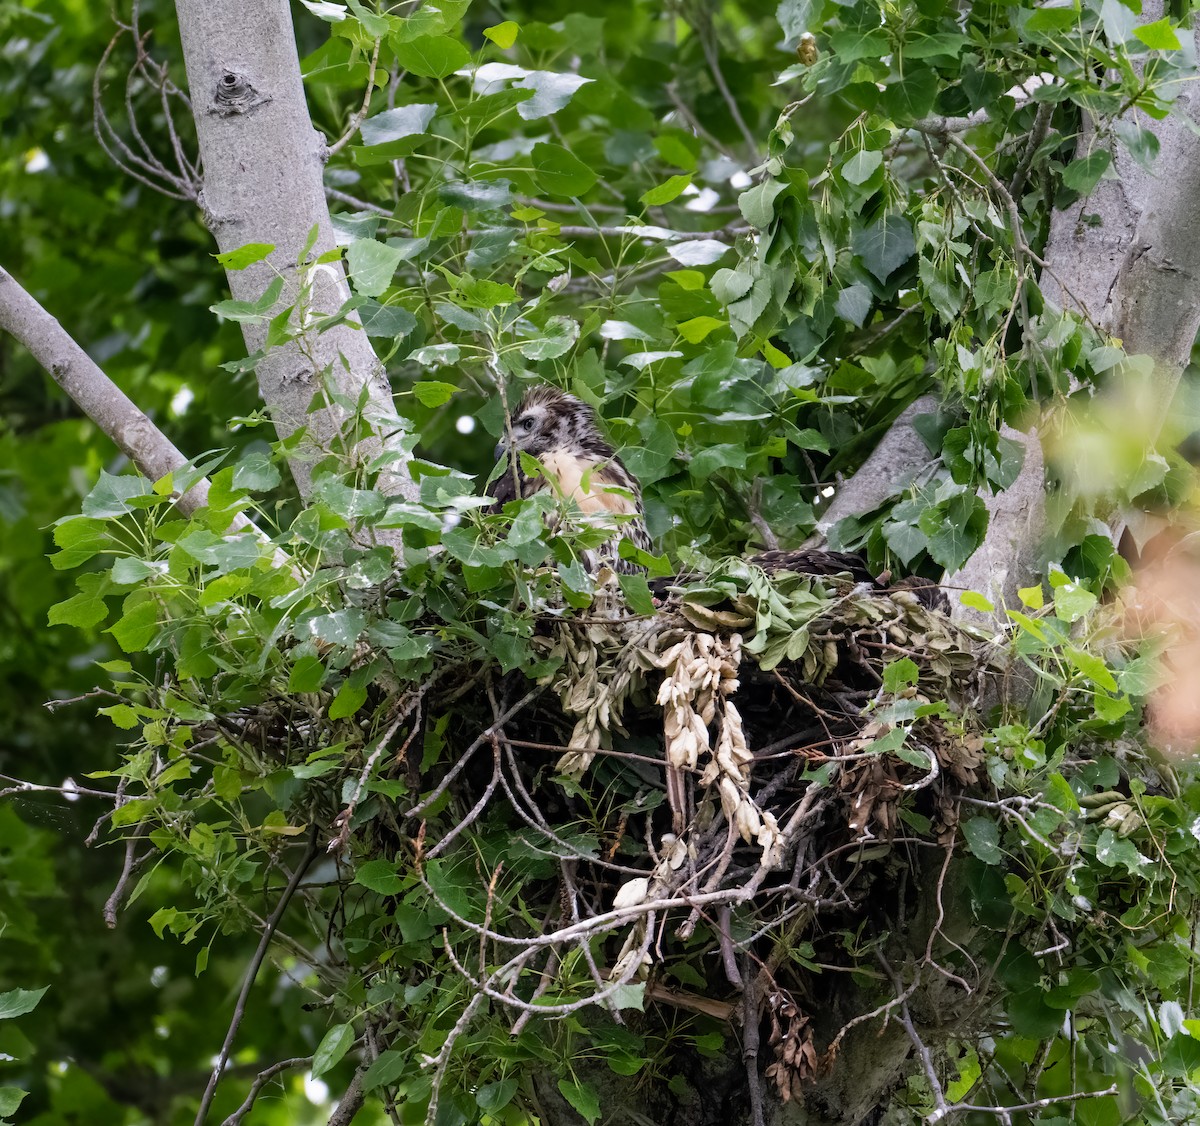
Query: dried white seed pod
(747, 821)
(631, 894)
(731, 797)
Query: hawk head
(576, 461)
(548, 419)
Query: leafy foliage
(751, 265)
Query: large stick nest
(741, 772)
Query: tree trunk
(262, 182)
(1127, 258)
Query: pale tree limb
(263, 162)
(150, 450)
(900, 454)
(1127, 258)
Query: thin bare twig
(260, 1081)
(362, 111)
(113, 904)
(239, 1010)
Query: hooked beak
(501, 449)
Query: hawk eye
(526, 423)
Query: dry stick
(358, 118)
(708, 42)
(347, 815)
(475, 810)
(751, 1015)
(150, 450)
(1039, 1104)
(459, 766)
(1041, 126)
(923, 1052)
(728, 957)
(128, 161)
(351, 1102)
(260, 1081)
(239, 1010)
(113, 904)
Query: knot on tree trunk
(236, 94)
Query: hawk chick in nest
(578, 464)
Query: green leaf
(559, 173)
(387, 1068)
(983, 839)
(583, 1097)
(504, 35)
(1092, 667)
(376, 26)
(251, 312)
(757, 204)
(137, 626)
(324, 10)
(974, 601)
(1072, 602)
(1082, 175)
(307, 675)
(698, 328)
(1159, 36)
(955, 528)
(431, 393)
(245, 255)
(1116, 852)
(111, 495)
(853, 303)
(1031, 1016)
(350, 697)
(371, 265)
(79, 538)
(1032, 596)
(666, 191)
(900, 674)
(861, 166)
(10, 1099)
(551, 91)
(432, 56)
(396, 124)
(333, 1046)
(730, 285)
(18, 1002)
(556, 339)
(128, 571)
(637, 594)
(483, 294)
(494, 1097)
(912, 97)
(379, 876)
(84, 609)
(885, 246)
(122, 715)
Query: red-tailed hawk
(577, 462)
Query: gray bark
(900, 453)
(93, 392)
(1128, 259)
(262, 182)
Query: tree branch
(96, 395)
(900, 453)
(263, 182)
(256, 962)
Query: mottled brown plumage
(564, 434)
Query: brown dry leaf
(791, 1040)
